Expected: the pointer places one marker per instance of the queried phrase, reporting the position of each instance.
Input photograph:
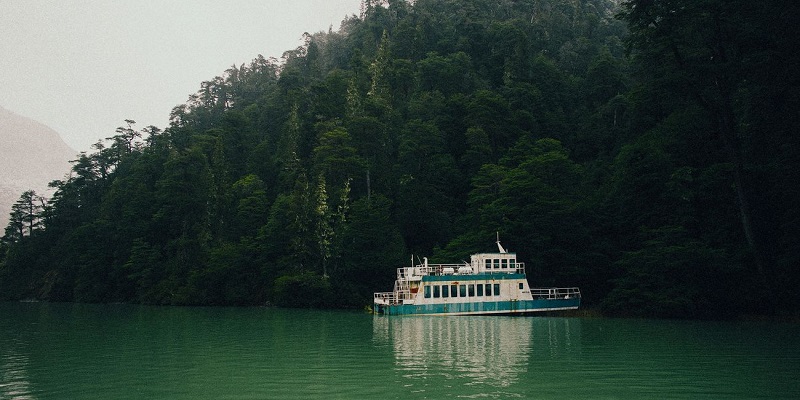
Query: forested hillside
(644, 151)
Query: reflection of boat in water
(484, 351)
(492, 283)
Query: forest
(645, 151)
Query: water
(66, 351)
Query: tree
(183, 196)
(674, 276)
(429, 188)
(372, 247)
(711, 51)
(337, 157)
(26, 216)
(323, 232)
(126, 139)
(533, 196)
(251, 206)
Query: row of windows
(499, 263)
(471, 290)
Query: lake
(79, 351)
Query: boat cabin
(494, 262)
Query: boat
(490, 284)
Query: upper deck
(483, 263)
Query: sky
(82, 67)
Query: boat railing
(392, 298)
(555, 293)
(410, 273)
(405, 273)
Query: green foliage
(303, 290)
(661, 179)
(673, 276)
(372, 248)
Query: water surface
(59, 351)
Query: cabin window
(453, 290)
(504, 263)
(427, 292)
(436, 292)
(520, 286)
(488, 264)
(471, 290)
(462, 289)
(488, 289)
(512, 263)
(497, 289)
(445, 292)
(497, 263)
(480, 290)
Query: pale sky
(82, 67)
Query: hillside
(643, 151)
(31, 155)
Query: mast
(499, 246)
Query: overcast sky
(82, 67)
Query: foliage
(649, 158)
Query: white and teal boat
(491, 283)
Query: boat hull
(503, 307)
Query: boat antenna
(499, 246)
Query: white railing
(555, 293)
(405, 273)
(392, 297)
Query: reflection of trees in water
(14, 366)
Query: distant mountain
(31, 155)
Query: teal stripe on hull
(492, 307)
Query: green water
(65, 351)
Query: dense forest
(645, 151)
